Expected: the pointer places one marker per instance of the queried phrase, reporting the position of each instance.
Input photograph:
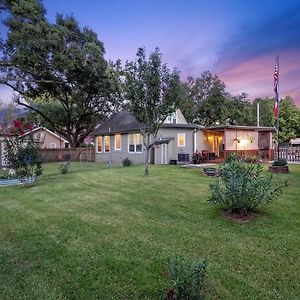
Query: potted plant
(279, 166)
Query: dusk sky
(238, 40)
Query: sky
(235, 39)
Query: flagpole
(278, 98)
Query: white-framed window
(107, 143)
(181, 139)
(99, 144)
(53, 145)
(135, 143)
(117, 142)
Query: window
(117, 141)
(135, 143)
(107, 143)
(181, 139)
(99, 144)
(52, 145)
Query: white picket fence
(291, 154)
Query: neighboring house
(2, 157)
(295, 142)
(119, 137)
(48, 139)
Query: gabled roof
(47, 130)
(124, 121)
(119, 122)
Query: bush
(281, 162)
(126, 162)
(232, 157)
(64, 167)
(243, 187)
(187, 280)
(251, 159)
(23, 157)
(199, 158)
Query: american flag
(276, 76)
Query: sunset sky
(238, 40)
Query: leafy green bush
(64, 167)
(23, 157)
(281, 162)
(232, 157)
(243, 187)
(187, 280)
(126, 162)
(8, 174)
(251, 159)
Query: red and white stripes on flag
(276, 77)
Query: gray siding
(172, 148)
(116, 156)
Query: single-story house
(48, 139)
(119, 137)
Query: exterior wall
(116, 156)
(47, 139)
(200, 141)
(172, 148)
(2, 154)
(244, 136)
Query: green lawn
(101, 233)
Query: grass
(101, 233)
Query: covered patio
(246, 141)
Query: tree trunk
(148, 147)
(147, 161)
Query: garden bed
(16, 181)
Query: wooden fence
(289, 153)
(68, 154)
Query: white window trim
(107, 136)
(134, 143)
(101, 144)
(181, 146)
(53, 144)
(118, 149)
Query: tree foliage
(58, 69)
(151, 90)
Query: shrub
(23, 157)
(232, 157)
(199, 158)
(64, 167)
(187, 280)
(8, 174)
(126, 162)
(243, 187)
(251, 159)
(281, 162)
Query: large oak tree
(58, 70)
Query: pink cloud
(255, 76)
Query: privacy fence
(68, 154)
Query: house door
(164, 154)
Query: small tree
(152, 91)
(22, 153)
